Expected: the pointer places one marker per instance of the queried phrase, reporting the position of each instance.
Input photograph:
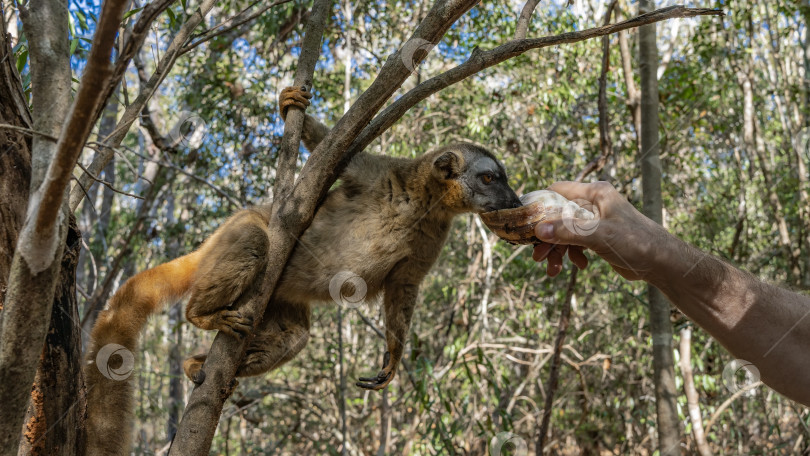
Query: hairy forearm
(758, 322)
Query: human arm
(758, 322)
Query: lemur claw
(382, 379)
(234, 324)
(198, 378)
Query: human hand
(620, 234)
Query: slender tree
(666, 394)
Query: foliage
(481, 339)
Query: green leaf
(22, 58)
(82, 19)
(131, 13)
(172, 17)
(74, 43)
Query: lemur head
(473, 180)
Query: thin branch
(127, 162)
(132, 42)
(605, 144)
(522, 28)
(480, 60)
(692, 397)
(168, 164)
(230, 24)
(728, 402)
(554, 372)
(28, 131)
(633, 94)
(133, 110)
(107, 184)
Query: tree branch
(554, 372)
(133, 41)
(230, 24)
(291, 216)
(605, 144)
(484, 59)
(134, 109)
(293, 126)
(200, 419)
(37, 258)
(74, 135)
(692, 398)
(107, 184)
(525, 17)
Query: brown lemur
(386, 223)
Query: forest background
(734, 101)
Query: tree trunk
(55, 424)
(666, 394)
(32, 278)
(15, 159)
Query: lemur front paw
(293, 96)
(382, 379)
(193, 368)
(232, 322)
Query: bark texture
(15, 158)
(56, 413)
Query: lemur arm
(314, 131)
(401, 289)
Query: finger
(300, 103)
(368, 379)
(555, 258)
(541, 251)
(577, 257)
(301, 99)
(555, 232)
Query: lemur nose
(517, 203)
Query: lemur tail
(111, 356)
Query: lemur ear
(448, 165)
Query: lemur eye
(487, 178)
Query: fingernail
(544, 231)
